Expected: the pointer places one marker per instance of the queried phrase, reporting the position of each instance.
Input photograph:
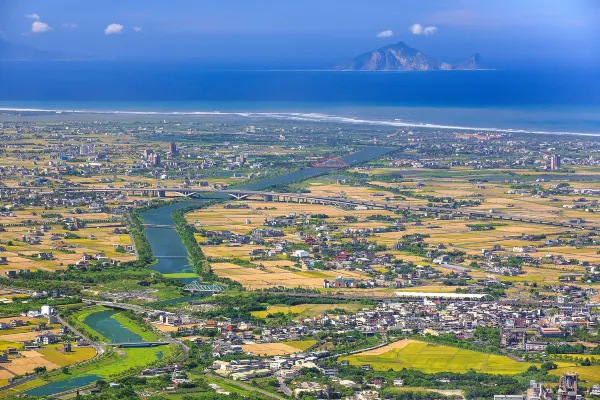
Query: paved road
(98, 347)
(131, 238)
(18, 382)
(248, 387)
(70, 392)
(241, 194)
(283, 387)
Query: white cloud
(429, 30)
(69, 25)
(33, 16)
(418, 29)
(385, 34)
(113, 29)
(40, 27)
(137, 28)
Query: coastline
(314, 117)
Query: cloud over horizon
(385, 34)
(418, 29)
(40, 27)
(113, 29)
(32, 16)
(137, 28)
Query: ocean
(560, 101)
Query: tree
(549, 365)
(64, 370)
(586, 363)
(39, 370)
(101, 384)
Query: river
(167, 242)
(103, 323)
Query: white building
(46, 310)
(301, 253)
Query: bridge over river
(307, 198)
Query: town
(211, 257)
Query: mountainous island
(401, 57)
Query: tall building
(173, 148)
(554, 161)
(86, 149)
(156, 159)
(241, 159)
(538, 391)
(568, 388)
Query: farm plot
(431, 358)
(273, 276)
(277, 349)
(307, 310)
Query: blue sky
(503, 31)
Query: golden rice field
(589, 374)
(18, 254)
(278, 349)
(253, 278)
(307, 310)
(50, 357)
(59, 358)
(431, 358)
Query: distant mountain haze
(20, 52)
(401, 57)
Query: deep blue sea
(534, 100)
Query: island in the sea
(401, 57)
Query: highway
(308, 198)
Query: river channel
(103, 323)
(166, 243)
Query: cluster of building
(568, 389)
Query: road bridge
(159, 226)
(183, 257)
(306, 198)
(119, 306)
(197, 287)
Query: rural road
(99, 349)
(18, 382)
(284, 388)
(248, 387)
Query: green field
(115, 364)
(301, 344)
(431, 358)
(118, 362)
(134, 358)
(180, 275)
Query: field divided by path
(432, 358)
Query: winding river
(167, 243)
(103, 323)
